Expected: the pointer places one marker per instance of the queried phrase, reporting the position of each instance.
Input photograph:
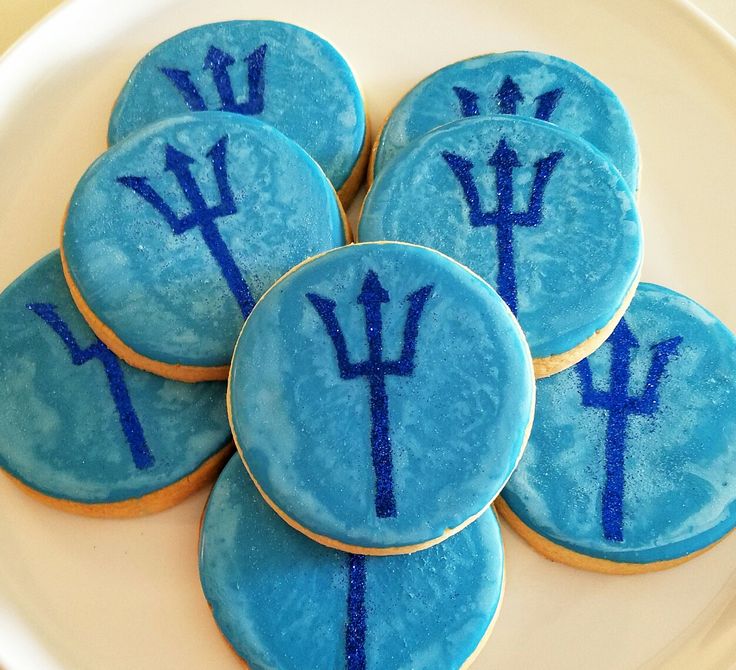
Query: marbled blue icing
(680, 462)
(573, 265)
(519, 82)
(164, 291)
(281, 600)
(309, 92)
(61, 434)
(456, 421)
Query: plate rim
(700, 18)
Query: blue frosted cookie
(631, 465)
(534, 210)
(381, 395)
(278, 73)
(526, 83)
(174, 233)
(82, 430)
(283, 601)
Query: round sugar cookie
(283, 601)
(380, 396)
(174, 233)
(534, 210)
(523, 83)
(278, 73)
(83, 431)
(631, 465)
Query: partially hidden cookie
(534, 210)
(283, 601)
(278, 73)
(631, 465)
(523, 83)
(175, 232)
(380, 396)
(84, 432)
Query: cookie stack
(380, 394)
(525, 168)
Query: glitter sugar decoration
(620, 406)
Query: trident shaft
(355, 629)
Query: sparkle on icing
(132, 429)
(504, 159)
(371, 297)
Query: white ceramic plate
(88, 595)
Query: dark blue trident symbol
(504, 160)
(375, 369)
(201, 216)
(508, 96)
(218, 62)
(620, 406)
(142, 457)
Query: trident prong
(508, 96)
(218, 62)
(620, 406)
(375, 369)
(355, 629)
(131, 426)
(504, 160)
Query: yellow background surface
(17, 16)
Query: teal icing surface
(572, 271)
(586, 107)
(457, 423)
(309, 92)
(680, 464)
(61, 434)
(281, 599)
(164, 294)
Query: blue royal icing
(529, 84)
(262, 579)
(538, 213)
(380, 394)
(278, 73)
(632, 457)
(174, 233)
(79, 424)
